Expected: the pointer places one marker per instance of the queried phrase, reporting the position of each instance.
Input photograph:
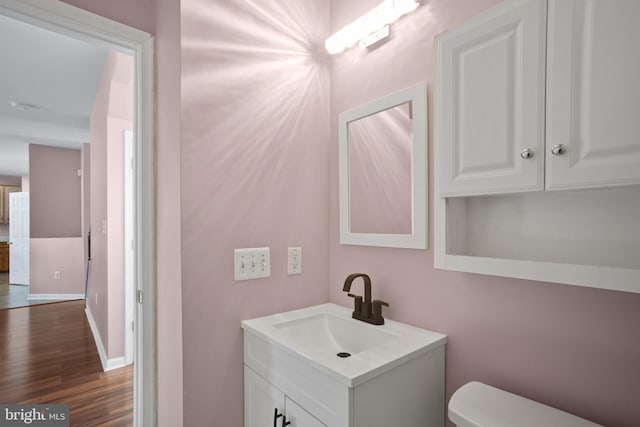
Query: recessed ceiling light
(21, 106)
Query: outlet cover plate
(294, 261)
(251, 263)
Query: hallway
(48, 355)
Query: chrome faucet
(365, 309)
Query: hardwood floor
(47, 355)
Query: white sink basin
(318, 333)
(328, 333)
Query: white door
(593, 82)
(261, 401)
(490, 102)
(19, 238)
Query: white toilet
(479, 405)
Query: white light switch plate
(294, 261)
(251, 263)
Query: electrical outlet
(294, 261)
(56, 275)
(251, 263)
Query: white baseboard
(60, 297)
(107, 364)
(115, 363)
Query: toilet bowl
(479, 405)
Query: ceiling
(56, 77)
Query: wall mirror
(383, 171)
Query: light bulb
(334, 45)
(387, 12)
(372, 21)
(370, 27)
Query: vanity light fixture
(371, 27)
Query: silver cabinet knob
(527, 153)
(558, 149)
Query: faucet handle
(376, 311)
(357, 308)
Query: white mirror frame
(418, 238)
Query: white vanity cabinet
(534, 97)
(266, 406)
(394, 375)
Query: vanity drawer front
(318, 394)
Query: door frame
(129, 251)
(69, 20)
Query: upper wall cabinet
(490, 110)
(532, 96)
(491, 104)
(593, 95)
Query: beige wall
(48, 256)
(54, 193)
(55, 243)
(10, 180)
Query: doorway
(65, 19)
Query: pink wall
(255, 126)
(111, 116)
(169, 292)
(97, 292)
(47, 256)
(583, 335)
(135, 13)
(54, 192)
(163, 18)
(570, 347)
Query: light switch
(251, 263)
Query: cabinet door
(261, 399)
(299, 417)
(4, 257)
(490, 101)
(593, 107)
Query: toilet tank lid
(479, 405)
